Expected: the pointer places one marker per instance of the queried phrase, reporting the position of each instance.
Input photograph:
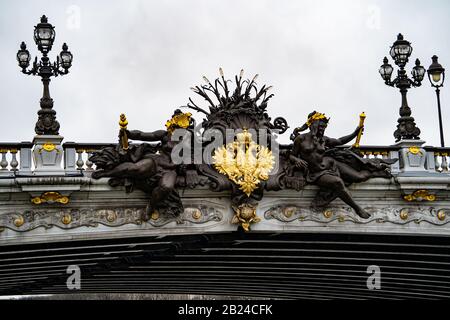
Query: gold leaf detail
(415, 150)
(441, 215)
(50, 197)
(245, 214)
(420, 195)
(66, 218)
(181, 120)
(244, 162)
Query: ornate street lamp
(44, 36)
(401, 51)
(436, 75)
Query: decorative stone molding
(70, 218)
(399, 216)
(198, 215)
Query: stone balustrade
(16, 158)
(76, 156)
(68, 203)
(440, 157)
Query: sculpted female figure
(148, 166)
(332, 169)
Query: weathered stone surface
(96, 210)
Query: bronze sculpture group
(312, 158)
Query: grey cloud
(141, 58)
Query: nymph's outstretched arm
(331, 142)
(146, 136)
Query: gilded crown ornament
(181, 120)
(315, 117)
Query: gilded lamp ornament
(244, 162)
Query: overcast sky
(141, 58)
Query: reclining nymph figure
(333, 169)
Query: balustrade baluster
(4, 162)
(80, 162)
(14, 163)
(89, 163)
(444, 162)
(436, 161)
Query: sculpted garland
(241, 166)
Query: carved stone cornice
(400, 215)
(70, 218)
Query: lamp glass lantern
(23, 56)
(44, 35)
(386, 70)
(418, 72)
(401, 51)
(436, 73)
(66, 57)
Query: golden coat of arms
(244, 162)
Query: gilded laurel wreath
(244, 162)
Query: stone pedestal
(47, 155)
(412, 155)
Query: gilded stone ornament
(420, 195)
(441, 215)
(289, 212)
(328, 214)
(404, 214)
(66, 218)
(19, 221)
(154, 215)
(196, 214)
(245, 215)
(50, 197)
(49, 147)
(415, 150)
(244, 162)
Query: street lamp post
(47, 150)
(436, 75)
(401, 51)
(44, 36)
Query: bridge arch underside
(256, 264)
